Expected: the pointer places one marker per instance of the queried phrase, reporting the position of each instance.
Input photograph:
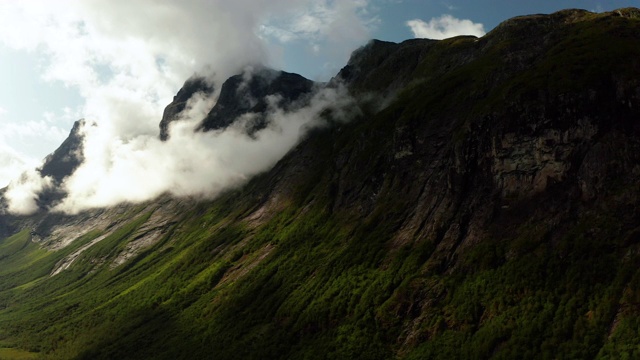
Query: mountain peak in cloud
(251, 92)
(261, 114)
(194, 85)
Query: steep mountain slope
(485, 204)
(67, 157)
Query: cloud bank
(22, 194)
(127, 60)
(444, 27)
(192, 163)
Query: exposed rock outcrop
(60, 164)
(192, 86)
(67, 157)
(250, 93)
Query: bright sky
(120, 62)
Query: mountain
(249, 93)
(62, 163)
(243, 94)
(483, 204)
(67, 157)
(193, 85)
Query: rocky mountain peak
(67, 157)
(246, 93)
(195, 84)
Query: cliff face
(485, 204)
(67, 157)
(250, 93)
(171, 113)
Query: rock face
(488, 208)
(249, 93)
(192, 86)
(60, 164)
(67, 157)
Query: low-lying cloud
(444, 27)
(22, 193)
(127, 60)
(189, 163)
(192, 163)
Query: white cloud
(22, 193)
(12, 164)
(2, 111)
(324, 19)
(192, 163)
(443, 27)
(42, 130)
(128, 70)
(128, 58)
(331, 29)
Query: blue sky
(92, 61)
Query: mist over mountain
(208, 143)
(440, 199)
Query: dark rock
(62, 163)
(67, 157)
(247, 93)
(171, 113)
(382, 66)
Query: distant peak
(246, 92)
(195, 84)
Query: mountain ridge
(487, 210)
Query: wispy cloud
(193, 163)
(443, 27)
(13, 163)
(449, 6)
(22, 192)
(330, 28)
(128, 71)
(325, 19)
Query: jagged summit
(60, 164)
(195, 84)
(67, 157)
(247, 93)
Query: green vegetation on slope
(323, 288)
(332, 269)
